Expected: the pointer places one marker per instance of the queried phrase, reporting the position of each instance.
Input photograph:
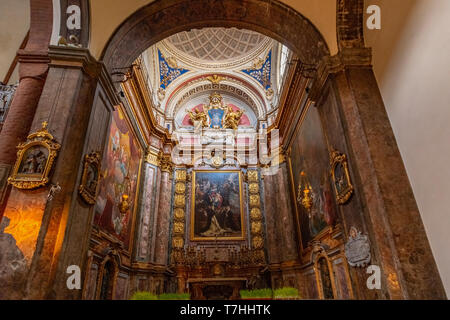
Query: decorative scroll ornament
(35, 159)
(91, 177)
(215, 79)
(341, 177)
(305, 194)
(261, 71)
(357, 249)
(169, 70)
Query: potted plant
(286, 293)
(143, 295)
(257, 294)
(174, 296)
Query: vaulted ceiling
(244, 66)
(217, 44)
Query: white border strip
(56, 22)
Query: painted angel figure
(199, 119)
(232, 118)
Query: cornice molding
(346, 58)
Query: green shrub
(174, 296)
(257, 293)
(287, 292)
(143, 295)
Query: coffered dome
(217, 44)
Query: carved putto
(198, 118)
(232, 118)
(215, 115)
(35, 158)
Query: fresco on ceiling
(244, 122)
(261, 71)
(117, 197)
(310, 167)
(168, 71)
(217, 210)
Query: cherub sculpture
(198, 118)
(232, 118)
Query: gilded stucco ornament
(35, 159)
(357, 249)
(341, 177)
(305, 193)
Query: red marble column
(33, 67)
(32, 71)
(162, 230)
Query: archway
(161, 19)
(353, 95)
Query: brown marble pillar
(407, 263)
(50, 233)
(32, 72)
(280, 220)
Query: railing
(6, 97)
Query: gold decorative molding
(252, 176)
(166, 163)
(340, 175)
(179, 213)
(90, 178)
(35, 159)
(215, 79)
(153, 157)
(256, 225)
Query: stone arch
(161, 19)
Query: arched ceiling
(216, 44)
(242, 65)
(107, 15)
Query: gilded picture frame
(340, 175)
(35, 159)
(90, 179)
(228, 210)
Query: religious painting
(90, 178)
(341, 177)
(35, 159)
(116, 201)
(311, 181)
(217, 210)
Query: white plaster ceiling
(195, 56)
(217, 44)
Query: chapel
(213, 149)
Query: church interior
(209, 150)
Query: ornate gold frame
(92, 159)
(29, 181)
(336, 159)
(243, 226)
(318, 277)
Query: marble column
(33, 70)
(53, 234)
(163, 225)
(148, 207)
(393, 219)
(280, 218)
